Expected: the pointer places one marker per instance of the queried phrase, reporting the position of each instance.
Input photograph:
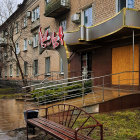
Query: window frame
(25, 68)
(61, 66)
(117, 5)
(17, 28)
(35, 69)
(25, 21)
(47, 69)
(17, 48)
(61, 23)
(11, 70)
(17, 70)
(84, 10)
(25, 44)
(35, 14)
(35, 40)
(5, 71)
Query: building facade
(26, 21)
(100, 35)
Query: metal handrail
(101, 88)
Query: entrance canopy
(118, 27)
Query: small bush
(57, 93)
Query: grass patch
(10, 96)
(122, 125)
(6, 90)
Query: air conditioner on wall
(29, 42)
(5, 54)
(75, 18)
(6, 33)
(28, 14)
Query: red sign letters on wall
(54, 39)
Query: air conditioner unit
(30, 42)
(75, 18)
(6, 33)
(28, 14)
(5, 54)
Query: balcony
(118, 28)
(56, 8)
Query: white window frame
(11, 70)
(17, 48)
(35, 14)
(47, 66)
(117, 1)
(25, 22)
(35, 40)
(83, 15)
(62, 23)
(25, 44)
(47, 1)
(61, 66)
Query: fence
(84, 91)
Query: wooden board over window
(122, 60)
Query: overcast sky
(19, 1)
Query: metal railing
(85, 91)
(53, 5)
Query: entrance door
(122, 60)
(86, 62)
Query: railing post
(64, 93)
(83, 91)
(84, 76)
(103, 89)
(118, 85)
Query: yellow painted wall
(122, 60)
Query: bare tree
(7, 7)
(11, 38)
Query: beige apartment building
(96, 33)
(35, 66)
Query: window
(61, 66)
(35, 14)
(47, 65)
(11, 54)
(11, 70)
(25, 68)
(5, 71)
(17, 48)
(63, 23)
(25, 44)
(35, 40)
(16, 27)
(88, 18)
(17, 70)
(35, 67)
(47, 1)
(25, 22)
(124, 3)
